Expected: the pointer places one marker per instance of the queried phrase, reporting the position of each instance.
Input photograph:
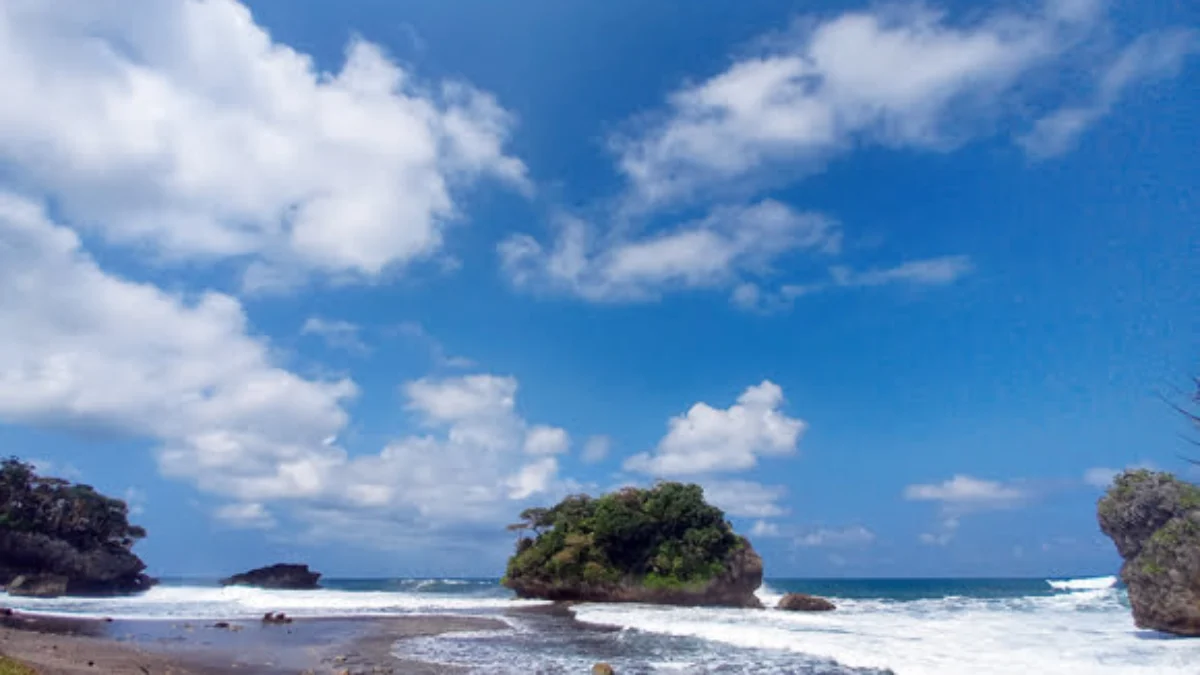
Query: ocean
(906, 627)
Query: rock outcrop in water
(64, 538)
(280, 576)
(664, 545)
(1154, 520)
(799, 602)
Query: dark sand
(320, 646)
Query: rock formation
(40, 586)
(664, 545)
(799, 602)
(51, 530)
(1154, 520)
(280, 576)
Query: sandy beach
(54, 645)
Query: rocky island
(662, 545)
(60, 538)
(281, 576)
(1154, 520)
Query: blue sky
(353, 283)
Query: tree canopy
(57, 508)
(666, 535)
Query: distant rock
(1154, 520)
(663, 545)
(281, 576)
(799, 602)
(38, 586)
(53, 528)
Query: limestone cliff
(1154, 520)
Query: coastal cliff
(1154, 520)
(58, 538)
(663, 545)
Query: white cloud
(897, 76)
(745, 499)
(714, 252)
(248, 516)
(85, 349)
(708, 440)
(544, 440)
(182, 126)
(1151, 56)
(437, 351)
(1100, 477)
(943, 536)
(135, 499)
(48, 468)
(336, 333)
(596, 449)
(930, 272)
(855, 535)
(966, 493)
(765, 530)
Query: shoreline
(68, 646)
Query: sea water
(907, 627)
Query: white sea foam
(183, 602)
(768, 596)
(1087, 584)
(1088, 632)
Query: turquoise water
(909, 627)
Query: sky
(902, 285)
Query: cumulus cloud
(336, 333)
(1151, 56)
(544, 440)
(182, 126)
(745, 499)
(969, 494)
(899, 76)
(713, 252)
(708, 440)
(855, 535)
(764, 530)
(87, 350)
(247, 516)
(596, 449)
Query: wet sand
(56, 646)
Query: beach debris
(276, 617)
(603, 669)
(800, 602)
(281, 576)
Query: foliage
(13, 667)
(76, 514)
(665, 537)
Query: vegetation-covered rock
(280, 576)
(799, 602)
(51, 528)
(661, 545)
(1154, 520)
